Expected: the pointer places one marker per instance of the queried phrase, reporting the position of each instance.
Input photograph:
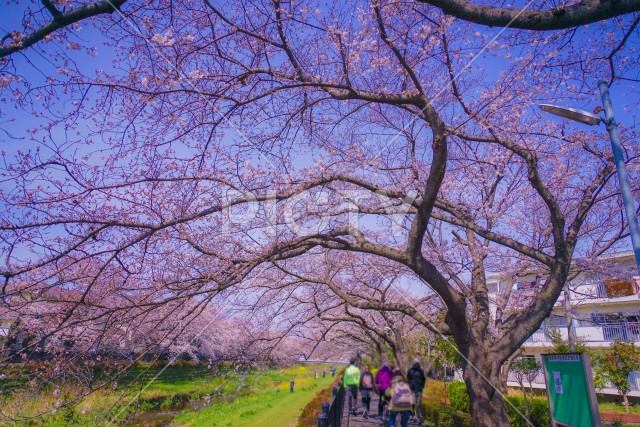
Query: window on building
(598, 319)
(615, 318)
(526, 285)
(595, 277)
(557, 321)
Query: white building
(604, 306)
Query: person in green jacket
(351, 381)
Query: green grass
(174, 385)
(613, 408)
(264, 408)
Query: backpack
(367, 381)
(401, 395)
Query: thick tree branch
(60, 20)
(582, 13)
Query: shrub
(539, 414)
(458, 396)
(442, 415)
(446, 420)
(452, 419)
(432, 410)
(309, 415)
(435, 389)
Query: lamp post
(623, 178)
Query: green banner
(572, 398)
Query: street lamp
(623, 178)
(572, 114)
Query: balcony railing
(621, 331)
(601, 290)
(634, 380)
(606, 332)
(539, 336)
(539, 378)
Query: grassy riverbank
(266, 408)
(138, 391)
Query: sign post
(572, 396)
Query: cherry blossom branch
(60, 20)
(556, 18)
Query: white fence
(606, 332)
(634, 380)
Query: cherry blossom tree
(363, 304)
(53, 20)
(255, 148)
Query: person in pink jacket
(383, 381)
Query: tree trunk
(524, 397)
(402, 361)
(626, 402)
(529, 404)
(486, 405)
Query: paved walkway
(359, 421)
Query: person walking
(383, 381)
(291, 384)
(367, 384)
(417, 381)
(351, 381)
(400, 400)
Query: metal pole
(326, 407)
(623, 178)
(571, 332)
(322, 419)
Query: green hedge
(539, 415)
(458, 396)
(442, 415)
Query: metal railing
(538, 379)
(539, 336)
(621, 331)
(331, 415)
(634, 380)
(603, 332)
(601, 291)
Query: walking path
(359, 421)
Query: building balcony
(538, 382)
(602, 333)
(610, 289)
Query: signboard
(572, 397)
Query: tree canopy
(313, 161)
